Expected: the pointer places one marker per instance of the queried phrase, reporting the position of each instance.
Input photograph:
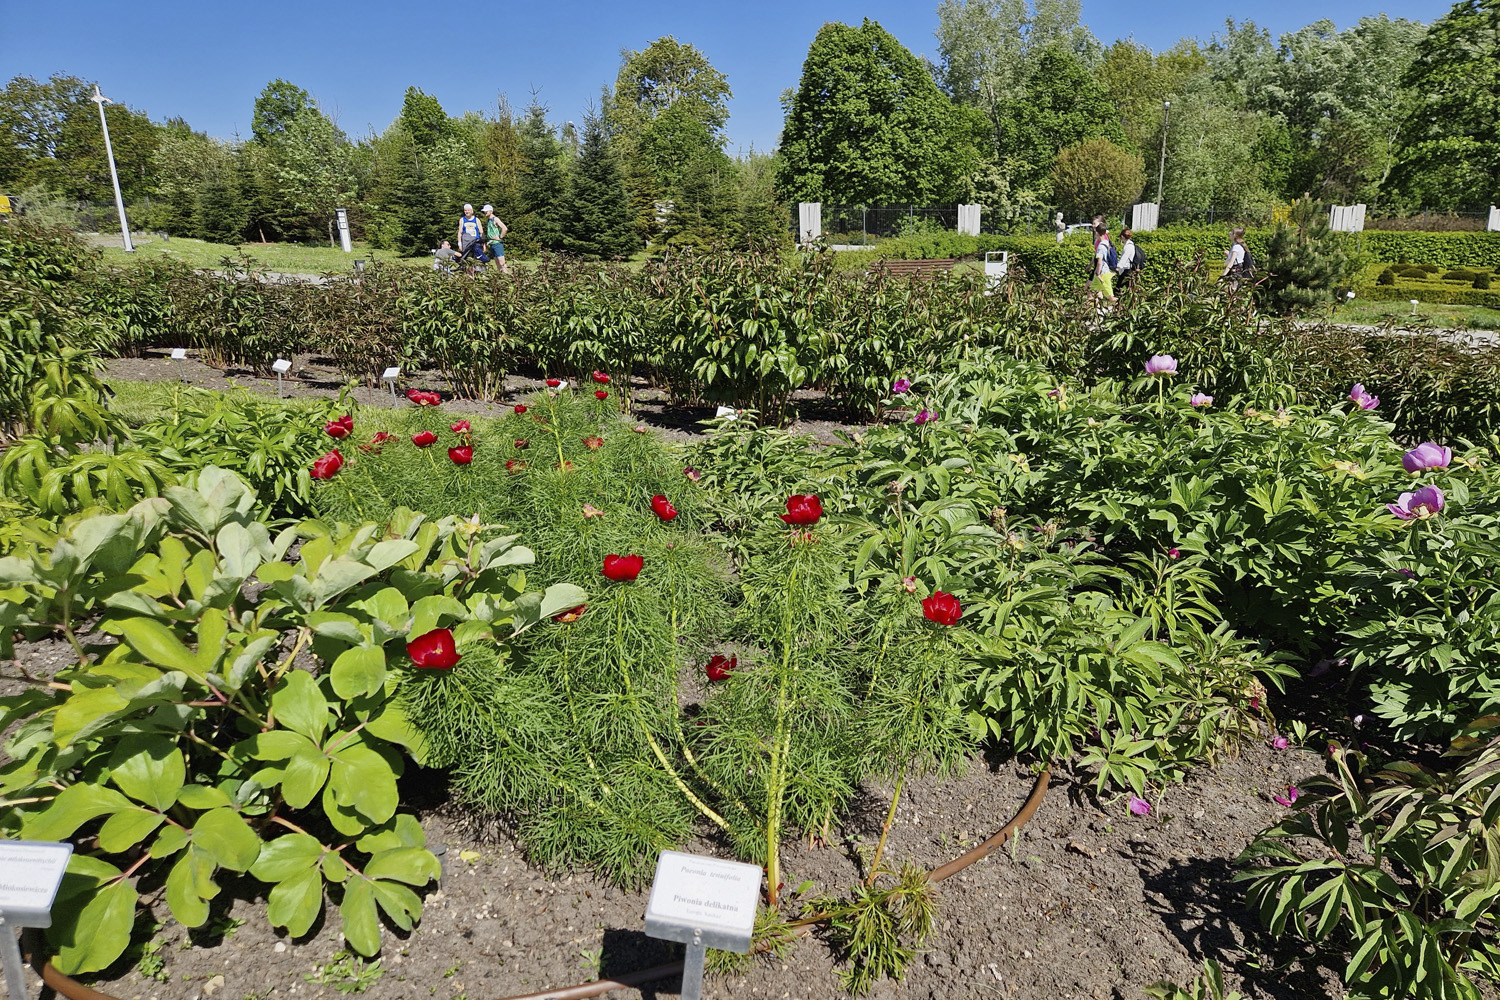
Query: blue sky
(206, 61)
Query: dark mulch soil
(1090, 901)
(313, 376)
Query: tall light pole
(1161, 171)
(114, 175)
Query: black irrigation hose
(74, 990)
(601, 986)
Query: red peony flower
(423, 398)
(523, 443)
(433, 650)
(520, 407)
(600, 394)
(514, 465)
(423, 439)
(663, 507)
(941, 608)
(802, 508)
(553, 383)
(327, 466)
(718, 668)
(462, 427)
(593, 443)
(622, 568)
(571, 615)
(462, 455)
(601, 378)
(340, 428)
(565, 466)
(692, 473)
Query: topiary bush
(1460, 274)
(1387, 277)
(1482, 282)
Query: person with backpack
(1238, 264)
(1132, 258)
(1105, 262)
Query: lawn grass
(287, 258)
(1427, 314)
(138, 402)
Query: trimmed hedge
(1167, 249)
(1449, 296)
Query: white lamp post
(114, 174)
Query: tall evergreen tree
(544, 180)
(220, 216)
(598, 221)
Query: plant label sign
(706, 901)
(179, 354)
(281, 366)
(30, 872)
(391, 374)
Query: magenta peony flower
(1427, 456)
(924, 417)
(1201, 399)
(1364, 399)
(1289, 799)
(1138, 806)
(1281, 743)
(1424, 503)
(1161, 364)
(901, 385)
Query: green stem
(781, 747)
(885, 830)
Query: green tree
(544, 180)
(315, 172)
(1449, 145)
(278, 105)
(597, 220)
(1305, 262)
(1063, 106)
(424, 118)
(666, 74)
(79, 167)
(1096, 177)
(1138, 82)
(181, 164)
(220, 213)
(867, 125)
(761, 215)
(32, 114)
(989, 49)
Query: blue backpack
(1113, 260)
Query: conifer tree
(598, 221)
(220, 215)
(543, 181)
(1305, 262)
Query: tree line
(1024, 111)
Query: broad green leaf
(362, 779)
(300, 706)
(337, 575)
(149, 769)
(159, 645)
(389, 605)
(171, 840)
(427, 613)
(345, 819)
(186, 882)
(336, 625)
(412, 865)
(202, 797)
(295, 901)
(73, 807)
(359, 671)
(90, 937)
(361, 922)
(85, 712)
(285, 856)
(400, 904)
(306, 767)
(403, 831)
(227, 838)
(127, 828)
(388, 553)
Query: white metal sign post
(390, 375)
(30, 872)
(280, 366)
(343, 220)
(703, 903)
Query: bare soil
(1089, 902)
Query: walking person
(494, 234)
(1131, 260)
(1105, 262)
(1236, 259)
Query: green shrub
(1460, 275)
(1482, 281)
(1387, 277)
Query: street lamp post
(114, 174)
(1161, 170)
